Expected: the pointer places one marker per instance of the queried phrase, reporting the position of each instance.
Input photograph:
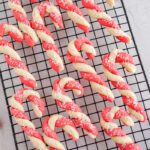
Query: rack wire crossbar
(90, 103)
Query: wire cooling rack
(90, 103)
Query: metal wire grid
(90, 103)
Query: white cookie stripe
(18, 112)
(74, 111)
(50, 136)
(122, 140)
(24, 24)
(44, 33)
(111, 72)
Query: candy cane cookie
(18, 112)
(75, 14)
(123, 141)
(12, 31)
(24, 24)
(44, 33)
(11, 56)
(86, 71)
(95, 11)
(50, 136)
(74, 111)
(110, 2)
(111, 72)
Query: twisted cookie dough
(75, 14)
(74, 111)
(44, 33)
(50, 136)
(23, 22)
(111, 72)
(95, 11)
(86, 71)
(11, 56)
(18, 112)
(123, 141)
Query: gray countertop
(138, 13)
(139, 16)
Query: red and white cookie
(75, 14)
(95, 11)
(24, 24)
(86, 71)
(11, 56)
(111, 72)
(74, 111)
(123, 141)
(12, 31)
(50, 136)
(44, 33)
(18, 112)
